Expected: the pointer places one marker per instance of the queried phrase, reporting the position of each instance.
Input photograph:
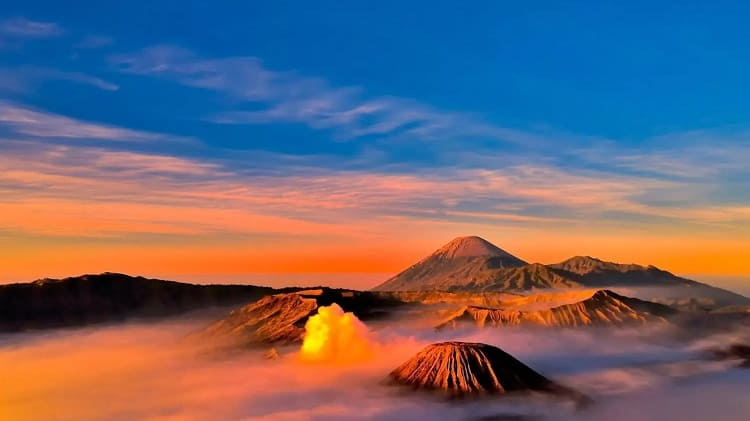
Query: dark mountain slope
(87, 299)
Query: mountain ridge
(583, 265)
(108, 297)
(505, 272)
(279, 319)
(602, 307)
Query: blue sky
(624, 72)
(631, 116)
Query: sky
(200, 141)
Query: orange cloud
(82, 209)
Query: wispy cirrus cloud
(27, 121)
(290, 97)
(701, 155)
(707, 170)
(27, 78)
(22, 28)
(271, 96)
(90, 191)
(99, 191)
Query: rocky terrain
(280, 319)
(462, 369)
(601, 307)
(480, 298)
(275, 319)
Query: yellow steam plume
(335, 336)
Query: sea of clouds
(158, 371)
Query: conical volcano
(473, 246)
(455, 265)
(460, 369)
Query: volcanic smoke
(333, 335)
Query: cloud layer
(152, 372)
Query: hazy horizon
(359, 281)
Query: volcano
(474, 264)
(276, 319)
(280, 319)
(464, 369)
(455, 265)
(473, 246)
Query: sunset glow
(353, 210)
(245, 160)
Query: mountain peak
(585, 259)
(466, 369)
(583, 265)
(469, 246)
(453, 265)
(461, 368)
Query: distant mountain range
(474, 264)
(490, 284)
(88, 299)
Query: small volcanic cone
(461, 369)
